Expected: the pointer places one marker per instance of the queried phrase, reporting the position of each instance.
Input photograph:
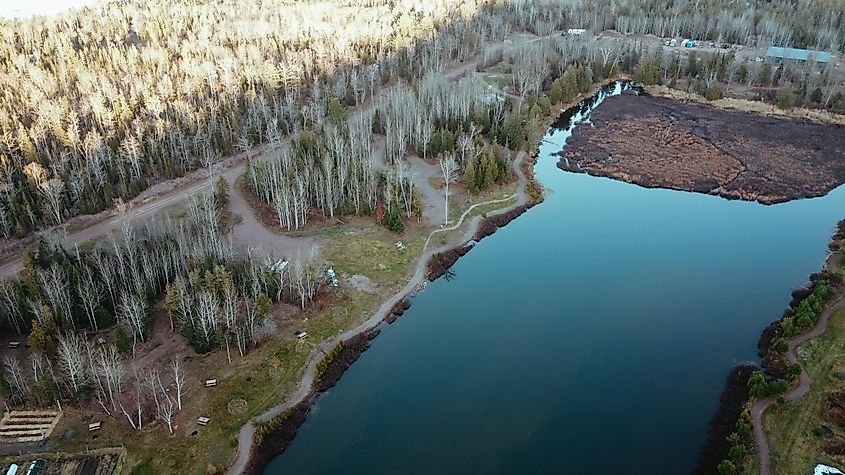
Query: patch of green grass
(355, 307)
(373, 253)
(499, 192)
(87, 245)
(496, 81)
(484, 210)
(796, 430)
(144, 468)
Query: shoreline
(252, 458)
(765, 201)
(657, 141)
(733, 402)
(731, 406)
(773, 331)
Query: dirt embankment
(660, 142)
(398, 310)
(278, 433)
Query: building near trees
(798, 54)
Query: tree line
(97, 106)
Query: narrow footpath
(759, 407)
(246, 436)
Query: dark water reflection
(591, 335)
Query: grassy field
(372, 252)
(799, 430)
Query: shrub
(324, 363)
(122, 341)
(394, 222)
(726, 467)
(264, 428)
(714, 92)
(785, 99)
(737, 453)
(758, 387)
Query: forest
(95, 108)
(99, 106)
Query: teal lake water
(596, 330)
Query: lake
(592, 334)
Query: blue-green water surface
(596, 330)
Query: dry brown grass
(755, 107)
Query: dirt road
(142, 207)
(434, 209)
(759, 407)
(251, 234)
(172, 192)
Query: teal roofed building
(798, 54)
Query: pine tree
(44, 335)
(764, 77)
(470, 176)
(336, 112)
(490, 170)
(692, 65)
(5, 388)
(221, 193)
(172, 303)
(264, 304)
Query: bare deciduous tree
(448, 168)
(72, 356)
(178, 376)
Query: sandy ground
(434, 209)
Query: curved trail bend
(759, 407)
(246, 435)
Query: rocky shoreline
(656, 142)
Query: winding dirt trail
(759, 407)
(246, 435)
(251, 234)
